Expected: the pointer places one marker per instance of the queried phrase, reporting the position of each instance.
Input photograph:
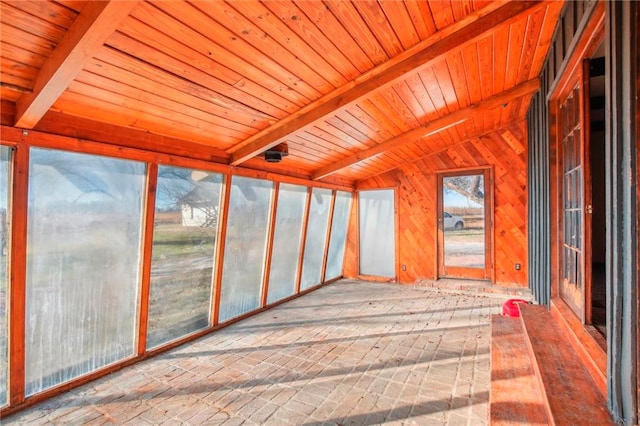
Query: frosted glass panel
(338, 238)
(316, 237)
(247, 226)
(286, 241)
(83, 260)
(5, 180)
(184, 237)
(377, 233)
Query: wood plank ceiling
(354, 88)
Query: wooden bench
(537, 377)
(515, 392)
(571, 394)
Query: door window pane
(83, 264)
(316, 237)
(463, 221)
(338, 238)
(5, 181)
(286, 241)
(377, 233)
(244, 253)
(184, 240)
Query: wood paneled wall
(416, 183)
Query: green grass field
(181, 279)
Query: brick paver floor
(351, 353)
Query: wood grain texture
(84, 37)
(148, 233)
(193, 83)
(330, 78)
(435, 126)
(515, 395)
(18, 284)
(588, 343)
(417, 188)
(418, 56)
(562, 376)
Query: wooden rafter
(431, 128)
(97, 21)
(440, 43)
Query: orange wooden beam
(18, 275)
(221, 241)
(147, 252)
(462, 32)
(95, 23)
(303, 240)
(435, 152)
(325, 258)
(431, 128)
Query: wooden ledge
(571, 394)
(589, 344)
(515, 393)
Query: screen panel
(83, 264)
(184, 241)
(5, 214)
(316, 237)
(338, 239)
(377, 232)
(286, 241)
(245, 246)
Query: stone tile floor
(350, 353)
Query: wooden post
(222, 236)
(18, 284)
(323, 271)
(303, 240)
(147, 248)
(268, 256)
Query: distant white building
(199, 208)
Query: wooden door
(464, 224)
(575, 268)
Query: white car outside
(452, 221)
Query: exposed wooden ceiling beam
(434, 152)
(431, 128)
(452, 37)
(95, 23)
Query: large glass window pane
(338, 238)
(316, 237)
(377, 233)
(244, 253)
(184, 236)
(83, 264)
(463, 221)
(286, 241)
(5, 180)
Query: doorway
(597, 187)
(581, 167)
(464, 224)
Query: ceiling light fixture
(275, 154)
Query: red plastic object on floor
(510, 307)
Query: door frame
(578, 299)
(488, 272)
(575, 72)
